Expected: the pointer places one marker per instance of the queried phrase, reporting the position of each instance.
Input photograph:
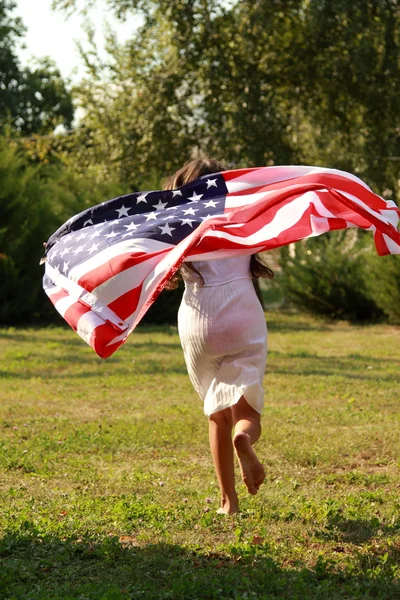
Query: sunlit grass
(108, 490)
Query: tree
(256, 82)
(32, 100)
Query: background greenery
(254, 83)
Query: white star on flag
(187, 222)
(195, 197)
(93, 248)
(160, 205)
(190, 211)
(211, 183)
(110, 235)
(122, 212)
(210, 203)
(176, 193)
(166, 229)
(151, 215)
(132, 226)
(141, 198)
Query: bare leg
(220, 434)
(247, 431)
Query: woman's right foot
(252, 471)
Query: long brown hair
(190, 171)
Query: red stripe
(101, 338)
(229, 175)
(126, 304)
(326, 180)
(380, 244)
(74, 313)
(92, 279)
(58, 296)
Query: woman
(224, 339)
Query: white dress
(223, 334)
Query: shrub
(34, 201)
(327, 276)
(383, 283)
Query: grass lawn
(108, 491)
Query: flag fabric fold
(105, 266)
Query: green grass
(108, 491)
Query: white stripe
(285, 218)
(63, 304)
(78, 293)
(125, 281)
(87, 323)
(146, 245)
(245, 199)
(269, 175)
(391, 244)
(385, 216)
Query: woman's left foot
(228, 507)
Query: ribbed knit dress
(223, 334)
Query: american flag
(106, 266)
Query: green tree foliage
(345, 67)
(255, 82)
(34, 201)
(35, 99)
(273, 82)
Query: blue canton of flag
(165, 216)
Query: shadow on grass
(38, 567)
(55, 373)
(359, 531)
(352, 367)
(285, 326)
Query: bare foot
(228, 508)
(252, 471)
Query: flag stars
(176, 193)
(65, 267)
(195, 197)
(122, 212)
(211, 183)
(150, 216)
(187, 222)
(166, 229)
(160, 205)
(141, 198)
(210, 203)
(81, 237)
(78, 250)
(93, 248)
(88, 222)
(111, 235)
(132, 226)
(190, 211)
(65, 251)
